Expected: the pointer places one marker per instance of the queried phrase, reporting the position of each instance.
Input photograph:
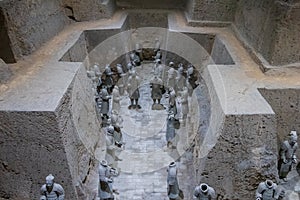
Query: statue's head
(49, 181)
(204, 188)
(129, 66)
(103, 163)
(293, 137)
(269, 183)
(172, 164)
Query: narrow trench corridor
(144, 161)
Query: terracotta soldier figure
(106, 190)
(172, 101)
(173, 187)
(171, 76)
(116, 98)
(156, 93)
(204, 192)
(97, 71)
(135, 59)
(184, 103)
(268, 190)
(108, 81)
(51, 190)
(105, 102)
(170, 132)
(121, 79)
(180, 79)
(287, 155)
(112, 150)
(133, 90)
(159, 69)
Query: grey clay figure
(204, 192)
(133, 90)
(287, 155)
(108, 81)
(51, 190)
(172, 101)
(121, 79)
(170, 132)
(111, 148)
(184, 103)
(159, 69)
(105, 102)
(268, 190)
(172, 182)
(156, 93)
(105, 190)
(116, 98)
(180, 80)
(135, 59)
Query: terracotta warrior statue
(268, 190)
(105, 190)
(204, 192)
(173, 187)
(133, 90)
(51, 190)
(287, 155)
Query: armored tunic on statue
(105, 101)
(157, 88)
(170, 132)
(108, 81)
(57, 192)
(133, 86)
(171, 78)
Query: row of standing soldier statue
(170, 82)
